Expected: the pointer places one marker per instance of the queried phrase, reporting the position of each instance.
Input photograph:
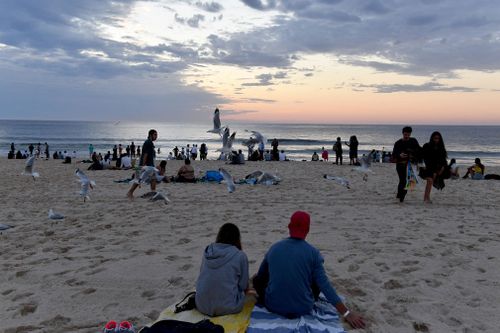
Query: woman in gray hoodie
(223, 279)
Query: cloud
(193, 22)
(266, 79)
(425, 87)
(212, 7)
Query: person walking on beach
(292, 275)
(434, 155)
(147, 159)
(91, 150)
(406, 149)
(337, 148)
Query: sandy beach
(410, 267)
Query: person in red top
(324, 155)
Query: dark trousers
(338, 157)
(401, 169)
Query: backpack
(177, 326)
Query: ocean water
(298, 140)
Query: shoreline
(399, 265)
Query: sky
(277, 61)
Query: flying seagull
(338, 180)
(366, 162)
(227, 141)
(28, 168)
(86, 184)
(217, 128)
(254, 139)
(228, 179)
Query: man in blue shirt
(292, 275)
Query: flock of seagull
(145, 174)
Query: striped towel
(323, 319)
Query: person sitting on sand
(282, 156)
(126, 162)
(315, 157)
(161, 176)
(453, 169)
(185, 173)
(476, 171)
(292, 275)
(223, 278)
(324, 154)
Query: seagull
(227, 141)
(159, 196)
(228, 179)
(338, 180)
(86, 184)
(217, 128)
(28, 168)
(5, 226)
(55, 216)
(366, 162)
(268, 179)
(255, 138)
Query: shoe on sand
(126, 327)
(110, 327)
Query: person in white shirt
(282, 156)
(126, 162)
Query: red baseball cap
(299, 225)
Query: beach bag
(213, 176)
(177, 326)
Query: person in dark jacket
(223, 278)
(406, 149)
(434, 155)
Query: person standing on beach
(275, 152)
(353, 150)
(434, 155)
(46, 150)
(31, 148)
(91, 150)
(337, 148)
(147, 159)
(406, 149)
(132, 149)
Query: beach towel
(234, 323)
(324, 318)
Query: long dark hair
(229, 234)
(440, 145)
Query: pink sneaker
(126, 327)
(110, 327)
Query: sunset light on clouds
(322, 61)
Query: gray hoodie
(220, 289)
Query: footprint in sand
(148, 293)
(74, 282)
(110, 305)
(392, 284)
(420, 327)
(27, 308)
(57, 321)
(151, 252)
(183, 241)
(8, 291)
(186, 267)
(87, 291)
(20, 296)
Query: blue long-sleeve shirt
(292, 266)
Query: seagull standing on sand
(28, 168)
(228, 179)
(55, 216)
(86, 184)
(217, 128)
(338, 180)
(159, 196)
